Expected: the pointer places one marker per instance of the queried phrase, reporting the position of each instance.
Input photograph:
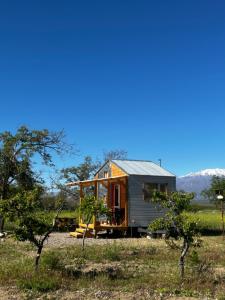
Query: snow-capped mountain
(207, 172)
(198, 181)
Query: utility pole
(221, 198)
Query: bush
(112, 252)
(51, 260)
(39, 282)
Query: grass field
(209, 221)
(140, 269)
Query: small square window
(163, 187)
(148, 190)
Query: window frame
(148, 199)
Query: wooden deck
(104, 226)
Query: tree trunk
(2, 222)
(40, 244)
(182, 258)
(84, 234)
(38, 255)
(222, 217)
(3, 197)
(1, 217)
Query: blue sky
(145, 76)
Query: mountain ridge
(198, 181)
(206, 172)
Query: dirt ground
(14, 294)
(63, 239)
(11, 294)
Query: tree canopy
(217, 186)
(21, 188)
(84, 171)
(17, 151)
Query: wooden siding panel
(116, 171)
(112, 170)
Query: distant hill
(198, 181)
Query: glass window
(117, 195)
(149, 188)
(163, 187)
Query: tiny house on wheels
(125, 186)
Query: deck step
(79, 233)
(90, 226)
(76, 234)
(81, 230)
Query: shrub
(52, 260)
(39, 282)
(112, 252)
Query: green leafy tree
(89, 167)
(217, 186)
(180, 231)
(83, 171)
(17, 153)
(52, 197)
(90, 208)
(31, 224)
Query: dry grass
(149, 270)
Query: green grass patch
(209, 221)
(52, 260)
(14, 261)
(40, 282)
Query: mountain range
(198, 181)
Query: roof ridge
(133, 160)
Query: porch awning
(93, 181)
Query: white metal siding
(141, 213)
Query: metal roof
(141, 167)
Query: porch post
(81, 196)
(108, 194)
(109, 200)
(96, 199)
(126, 201)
